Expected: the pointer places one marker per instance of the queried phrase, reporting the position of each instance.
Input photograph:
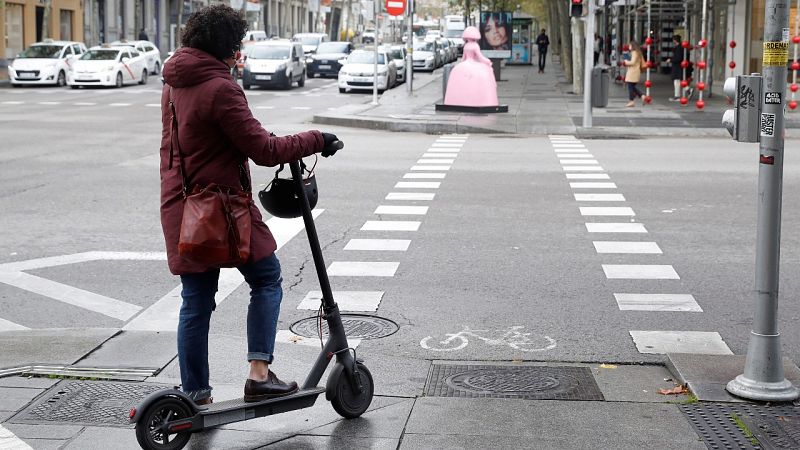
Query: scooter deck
(237, 410)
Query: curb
(413, 126)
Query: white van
(276, 63)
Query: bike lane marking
(163, 314)
(512, 336)
(9, 441)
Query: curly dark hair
(216, 29)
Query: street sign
(396, 7)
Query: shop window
(66, 24)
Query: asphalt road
(502, 249)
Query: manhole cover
(87, 403)
(772, 427)
(356, 326)
(526, 382)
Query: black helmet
(280, 198)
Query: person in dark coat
(218, 134)
(676, 71)
(142, 35)
(542, 42)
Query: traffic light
(743, 121)
(576, 8)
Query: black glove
(332, 144)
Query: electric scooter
(165, 420)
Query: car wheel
(16, 85)
(61, 81)
(74, 87)
(119, 80)
(246, 87)
(144, 77)
(157, 69)
(288, 84)
(342, 90)
(302, 81)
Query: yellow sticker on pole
(776, 54)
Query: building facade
(29, 21)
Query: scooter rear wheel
(345, 400)
(151, 432)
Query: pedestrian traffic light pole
(587, 65)
(410, 48)
(763, 377)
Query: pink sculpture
(471, 81)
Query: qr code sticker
(767, 124)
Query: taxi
(148, 49)
(47, 62)
(109, 66)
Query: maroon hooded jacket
(217, 133)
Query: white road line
(84, 104)
(439, 155)
(347, 300)
(558, 147)
(153, 105)
(574, 155)
(657, 302)
(401, 210)
(430, 168)
(418, 185)
(287, 337)
(7, 325)
(591, 185)
(571, 151)
(434, 176)
(8, 441)
(389, 245)
(606, 211)
(362, 269)
(265, 107)
(583, 169)
(163, 314)
(52, 261)
(627, 247)
(615, 228)
(411, 196)
(48, 103)
(303, 108)
(12, 103)
(599, 197)
(442, 145)
(640, 272)
(443, 150)
(662, 342)
(71, 295)
(435, 161)
(119, 104)
(391, 225)
(588, 176)
(565, 141)
(578, 161)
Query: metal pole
(375, 62)
(763, 377)
(410, 48)
(649, 50)
(701, 73)
(587, 66)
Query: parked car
(426, 55)
(310, 41)
(109, 66)
(397, 53)
(448, 54)
(368, 36)
(47, 62)
(329, 58)
(358, 73)
(274, 63)
(150, 52)
(454, 34)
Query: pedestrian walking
(542, 41)
(633, 74)
(598, 47)
(676, 71)
(208, 136)
(143, 35)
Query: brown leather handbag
(216, 223)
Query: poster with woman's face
(496, 34)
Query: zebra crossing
(579, 164)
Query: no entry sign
(396, 7)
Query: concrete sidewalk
(542, 104)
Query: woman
(216, 136)
(634, 73)
(495, 34)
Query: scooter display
(165, 420)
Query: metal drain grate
(773, 427)
(525, 382)
(86, 403)
(356, 326)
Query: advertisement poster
(519, 54)
(496, 34)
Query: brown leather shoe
(255, 391)
(205, 401)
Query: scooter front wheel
(345, 400)
(151, 430)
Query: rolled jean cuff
(200, 394)
(257, 356)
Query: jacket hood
(190, 66)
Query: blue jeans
(264, 278)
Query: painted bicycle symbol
(514, 337)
